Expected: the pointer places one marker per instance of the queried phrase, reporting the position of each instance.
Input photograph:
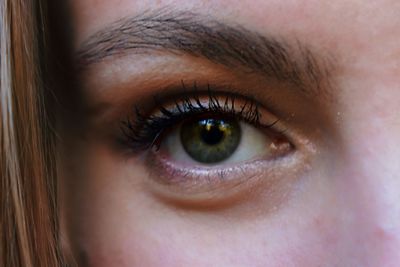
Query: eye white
(253, 144)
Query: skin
(337, 205)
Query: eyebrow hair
(232, 46)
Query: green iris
(210, 140)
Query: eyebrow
(232, 46)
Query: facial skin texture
(338, 206)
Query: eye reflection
(210, 140)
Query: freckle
(317, 221)
(382, 234)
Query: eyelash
(141, 132)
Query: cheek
(310, 251)
(144, 239)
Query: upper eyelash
(143, 132)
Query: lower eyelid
(214, 185)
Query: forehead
(327, 20)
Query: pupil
(211, 133)
(210, 141)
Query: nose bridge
(369, 178)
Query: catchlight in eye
(210, 140)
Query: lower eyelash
(145, 132)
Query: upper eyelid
(196, 91)
(133, 129)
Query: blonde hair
(28, 210)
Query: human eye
(204, 144)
